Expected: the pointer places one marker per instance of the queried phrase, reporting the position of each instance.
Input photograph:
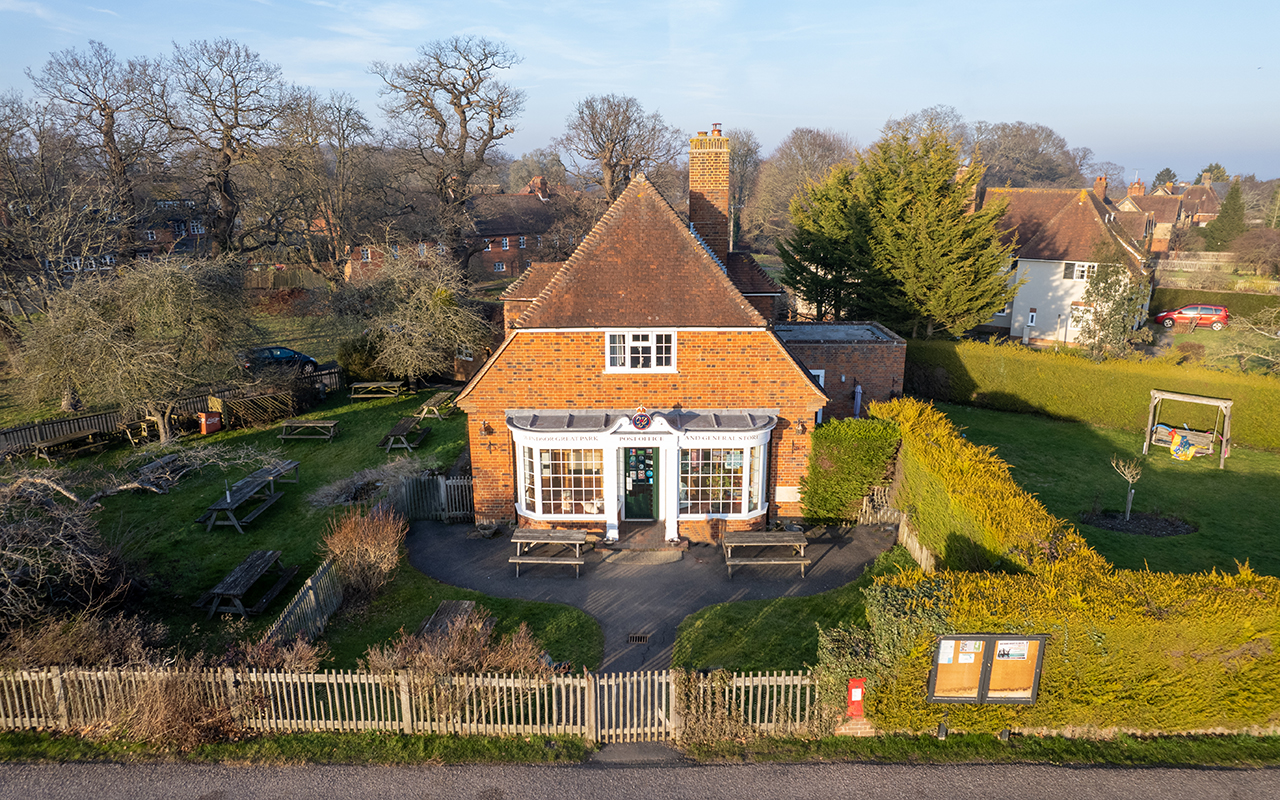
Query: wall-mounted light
(486, 428)
(801, 429)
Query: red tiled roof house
(638, 383)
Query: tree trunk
(1128, 504)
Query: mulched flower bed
(1139, 523)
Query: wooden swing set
(1202, 442)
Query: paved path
(627, 597)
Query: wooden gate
(633, 707)
(434, 497)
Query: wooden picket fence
(434, 497)
(309, 610)
(620, 707)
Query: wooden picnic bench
(376, 389)
(399, 435)
(439, 405)
(793, 539)
(526, 538)
(258, 485)
(228, 595)
(309, 429)
(70, 445)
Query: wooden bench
(63, 448)
(324, 429)
(376, 389)
(740, 561)
(259, 485)
(228, 595)
(399, 435)
(575, 562)
(793, 539)
(440, 406)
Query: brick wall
(709, 191)
(878, 366)
(744, 369)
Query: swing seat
(1202, 441)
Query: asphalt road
(640, 781)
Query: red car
(1213, 316)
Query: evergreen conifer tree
(1229, 224)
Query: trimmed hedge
(1112, 394)
(1239, 304)
(847, 458)
(1133, 650)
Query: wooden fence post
(407, 723)
(593, 715)
(60, 697)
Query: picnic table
(439, 405)
(526, 538)
(309, 429)
(399, 435)
(259, 485)
(375, 389)
(793, 539)
(228, 595)
(70, 445)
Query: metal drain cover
(637, 638)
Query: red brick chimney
(1100, 187)
(709, 190)
(1136, 188)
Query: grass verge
(1067, 465)
(307, 748)
(776, 634)
(1122, 751)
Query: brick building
(640, 380)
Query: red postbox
(856, 685)
(210, 421)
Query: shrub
(366, 548)
(89, 640)
(848, 457)
(174, 709)
(1238, 303)
(466, 646)
(356, 356)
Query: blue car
(281, 358)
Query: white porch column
(670, 488)
(612, 491)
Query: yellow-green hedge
(1113, 394)
(1134, 650)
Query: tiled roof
(1134, 223)
(640, 267)
(750, 277)
(1165, 207)
(1059, 224)
(1201, 200)
(515, 214)
(532, 281)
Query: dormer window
(640, 351)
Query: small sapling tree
(1131, 471)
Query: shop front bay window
(717, 482)
(560, 482)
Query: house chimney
(1206, 178)
(1100, 187)
(709, 190)
(1136, 188)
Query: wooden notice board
(987, 668)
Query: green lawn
(177, 560)
(776, 634)
(1067, 466)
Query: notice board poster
(987, 668)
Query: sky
(1143, 84)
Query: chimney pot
(715, 129)
(702, 133)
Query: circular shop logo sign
(641, 421)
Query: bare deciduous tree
(609, 138)
(744, 170)
(104, 100)
(1022, 154)
(224, 100)
(1131, 471)
(450, 109)
(142, 338)
(803, 158)
(416, 314)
